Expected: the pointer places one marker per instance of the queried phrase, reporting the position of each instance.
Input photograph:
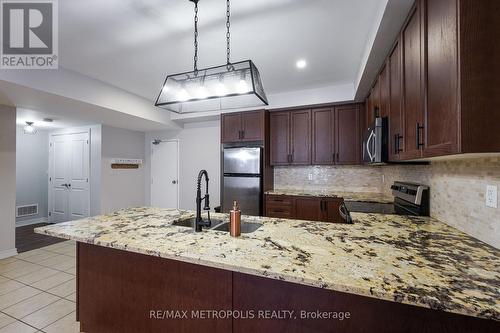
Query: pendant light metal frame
(246, 69)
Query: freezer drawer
(242, 160)
(245, 190)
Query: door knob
(174, 182)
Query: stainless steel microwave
(375, 144)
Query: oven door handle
(344, 213)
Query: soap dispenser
(235, 220)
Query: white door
(165, 174)
(69, 187)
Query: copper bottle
(235, 220)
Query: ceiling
(58, 122)
(133, 44)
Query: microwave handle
(368, 146)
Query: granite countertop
(411, 260)
(348, 196)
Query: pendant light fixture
(29, 128)
(229, 86)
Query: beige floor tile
(67, 324)
(28, 254)
(30, 305)
(64, 289)
(7, 260)
(22, 269)
(71, 271)
(54, 247)
(3, 279)
(60, 262)
(17, 296)
(64, 265)
(52, 281)
(5, 320)
(50, 314)
(71, 297)
(40, 256)
(9, 285)
(17, 327)
(13, 265)
(67, 249)
(42, 273)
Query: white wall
(32, 163)
(95, 169)
(121, 188)
(199, 148)
(7, 181)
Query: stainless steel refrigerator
(242, 179)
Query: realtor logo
(29, 34)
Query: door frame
(77, 130)
(177, 141)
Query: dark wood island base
(120, 291)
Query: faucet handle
(207, 203)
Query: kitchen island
(383, 273)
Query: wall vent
(28, 210)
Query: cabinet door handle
(243, 134)
(395, 143)
(399, 144)
(418, 128)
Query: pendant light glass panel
(236, 85)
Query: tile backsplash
(341, 178)
(458, 188)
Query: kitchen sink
(219, 225)
(246, 227)
(189, 222)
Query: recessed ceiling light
(301, 64)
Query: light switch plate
(310, 176)
(492, 196)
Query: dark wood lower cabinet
(120, 291)
(304, 208)
(308, 209)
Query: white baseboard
(8, 253)
(32, 221)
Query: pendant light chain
(228, 33)
(195, 37)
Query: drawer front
(279, 212)
(279, 200)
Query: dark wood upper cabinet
(347, 134)
(412, 87)
(375, 101)
(441, 111)
(279, 123)
(323, 136)
(323, 140)
(444, 81)
(231, 127)
(384, 79)
(300, 143)
(368, 112)
(252, 126)
(396, 138)
(242, 126)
